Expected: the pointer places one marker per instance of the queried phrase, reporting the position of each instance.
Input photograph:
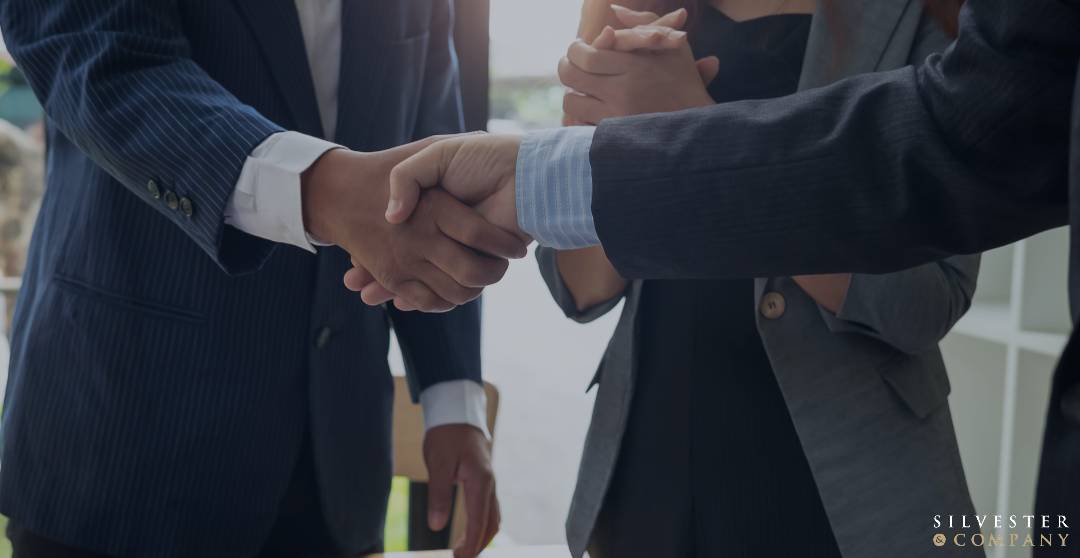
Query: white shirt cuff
(266, 202)
(455, 402)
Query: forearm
(873, 174)
(589, 276)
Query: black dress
(710, 464)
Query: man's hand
(476, 169)
(459, 453)
(425, 260)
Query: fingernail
(437, 520)
(677, 34)
(619, 8)
(393, 207)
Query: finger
(374, 294)
(404, 306)
(445, 286)
(633, 18)
(462, 272)
(606, 38)
(579, 80)
(647, 37)
(477, 513)
(418, 296)
(598, 61)
(357, 278)
(674, 20)
(586, 109)
(494, 520)
(708, 68)
(409, 177)
(440, 495)
(466, 226)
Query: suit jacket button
(171, 200)
(773, 305)
(152, 187)
(322, 339)
(186, 208)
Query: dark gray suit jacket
(867, 389)
(877, 173)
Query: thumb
(440, 497)
(708, 68)
(422, 170)
(422, 154)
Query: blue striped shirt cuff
(554, 188)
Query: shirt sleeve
(266, 202)
(554, 188)
(455, 402)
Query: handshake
(424, 247)
(428, 225)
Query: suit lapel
(276, 26)
(850, 38)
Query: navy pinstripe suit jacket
(164, 365)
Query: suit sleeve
(116, 77)
(547, 259)
(873, 174)
(911, 310)
(440, 347)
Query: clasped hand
(434, 252)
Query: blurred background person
(818, 402)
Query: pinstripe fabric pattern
(164, 367)
(554, 188)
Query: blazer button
(171, 200)
(186, 208)
(1070, 403)
(773, 305)
(322, 339)
(152, 187)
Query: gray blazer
(867, 388)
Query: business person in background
(876, 173)
(188, 377)
(710, 414)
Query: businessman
(968, 151)
(188, 377)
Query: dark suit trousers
(299, 531)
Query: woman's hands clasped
(646, 67)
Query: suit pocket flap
(919, 380)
